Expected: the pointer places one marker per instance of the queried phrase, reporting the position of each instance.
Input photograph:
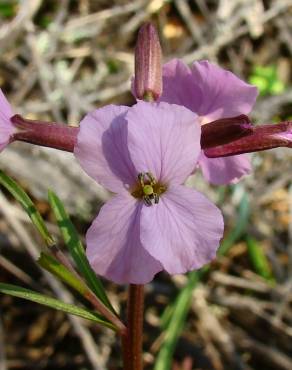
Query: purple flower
(6, 127)
(153, 222)
(212, 93)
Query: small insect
(149, 195)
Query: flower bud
(49, 134)
(148, 67)
(225, 130)
(263, 137)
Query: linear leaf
(73, 242)
(20, 195)
(177, 322)
(50, 264)
(175, 316)
(258, 259)
(30, 295)
(239, 228)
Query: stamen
(149, 189)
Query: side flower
(6, 128)
(144, 154)
(213, 93)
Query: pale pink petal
(178, 85)
(102, 148)
(182, 231)
(223, 94)
(206, 89)
(163, 139)
(225, 170)
(6, 127)
(114, 249)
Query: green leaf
(20, 195)
(239, 228)
(175, 326)
(30, 295)
(56, 268)
(175, 314)
(267, 79)
(258, 259)
(8, 9)
(72, 240)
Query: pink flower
(153, 222)
(212, 93)
(6, 127)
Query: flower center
(148, 189)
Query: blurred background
(61, 59)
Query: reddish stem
(132, 342)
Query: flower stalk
(132, 342)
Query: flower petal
(182, 231)
(6, 127)
(178, 85)
(225, 170)
(114, 249)
(102, 148)
(163, 139)
(207, 89)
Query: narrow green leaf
(30, 295)
(239, 228)
(72, 240)
(258, 259)
(56, 268)
(166, 316)
(180, 310)
(20, 195)
(175, 315)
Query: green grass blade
(50, 264)
(258, 259)
(72, 240)
(30, 295)
(239, 228)
(20, 195)
(175, 316)
(177, 322)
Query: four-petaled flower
(144, 154)
(6, 127)
(212, 93)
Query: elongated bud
(148, 64)
(50, 134)
(225, 130)
(263, 137)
